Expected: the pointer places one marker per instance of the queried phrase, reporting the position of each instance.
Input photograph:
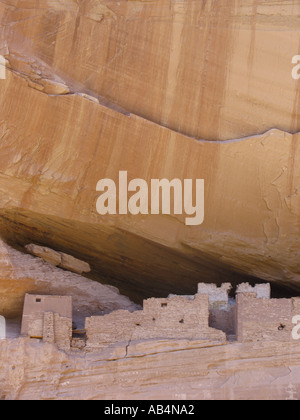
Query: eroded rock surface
(59, 259)
(150, 370)
(53, 152)
(49, 173)
(173, 89)
(21, 273)
(208, 69)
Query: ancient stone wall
(62, 332)
(177, 318)
(223, 318)
(265, 319)
(254, 317)
(217, 294)
(36, 305)
(48, 318)
(221, 309)
(261, 290)
(169, 318)
(117, 326)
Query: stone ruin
(48, 318)
(210, 315)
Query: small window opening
(38, 300)
(164, 305)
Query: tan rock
(251, 196)
(45, 253)
(35, 85)
(59, 259)
(48, 86)
(224, 82)
(54, 88)
(97, 11)
(73, 264)
(88, 97)
(207, 70)
(150, 371)
(166, 74)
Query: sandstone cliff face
(173, 89)
(20, 274)
(50, 168)
(151, 370)
(209, 69)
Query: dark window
(164, 305)
(38, 300)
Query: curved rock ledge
(50, 168)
